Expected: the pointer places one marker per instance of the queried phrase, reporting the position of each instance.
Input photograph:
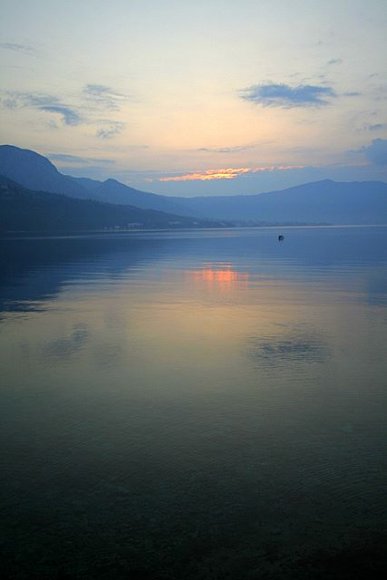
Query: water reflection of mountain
(32, 270)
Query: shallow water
(200, 404)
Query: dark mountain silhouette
(85, 182)
(22, 209)
(320, 202)
(113, 191)
(36, 172)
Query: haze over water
(200, 404)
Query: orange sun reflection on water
(223, 276)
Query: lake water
(195, 405)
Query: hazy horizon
(219, 188)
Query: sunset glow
(229, 173)
(193, 296)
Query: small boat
(281, 238)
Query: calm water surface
(194, 405)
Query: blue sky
(211, 97)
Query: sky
(208, 97)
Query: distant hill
(320, 202)
(22, 209)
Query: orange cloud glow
(229, 173)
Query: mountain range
(319, 202)
(23, 209)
